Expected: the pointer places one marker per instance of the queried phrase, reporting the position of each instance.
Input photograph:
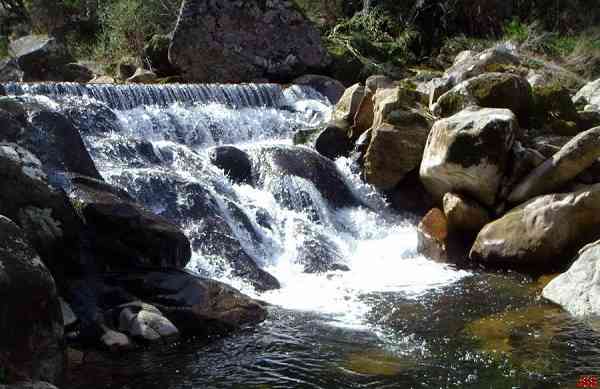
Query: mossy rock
(378, 363)
(551, 103)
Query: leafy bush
(126, 25)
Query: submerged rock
(468, 153)
(578, 290)
(327, 86)
(145, 322)
(31, 329)
(572, 159)
(333, 141)
(195, 305)
(541, 232)
(235, 163)
(233, 42)
(126, 234)
(10, 71)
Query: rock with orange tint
(433, 235)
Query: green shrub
(516, 31)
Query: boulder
(489, 90)
(31, 330)
(548, 145)
(489, 60)
(395, 150)
(468, 153)
(327, 86)
(541, 232)
(145, 322)
(523, 161)
(465, 55)
(346, 108)
(578, 290)
(432, 235)
(233, 42)
(142, 76)
(588, 95)
(126, 67)
(126, 235)
(333, 141)
(235, 163)
(195, 305)
(10, 71)
(40, 57)
(286, 162)
(464, 214)
(572, 159)
(588, 119)
(115, 341)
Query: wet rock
(588, 119)
(333, 142)
(523, 161)
(116, 341)
(578, 290)
(363, 118)
(327, 86)
(125, 233)
(548, 145)
(10, 71)
(465, 55)
(142, 76)
(468, 153)
(588, 95)
(235, 163)
(102, 80)
(284, 161)
(572, 159)
(432, 234)
(233, 42)
(553, 102)
(195, 305)
(31, 330)
(378, 81)
(316, 251)
(541, 232)
(69, 317)
(40, 57)
(489, 90)
(58, 144)
(145, 322)
(464, 214)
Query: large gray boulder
(468, 153)
(578, 290)
(572, 159)
(10, 71)
(237, 41)
(31, 329)
(327, 86)
(40, 57)
(541, 231)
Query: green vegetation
(3, 46)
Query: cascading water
(360, 307)
(154, 141)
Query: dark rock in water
(333, 142)
(208, 38)
(287, 161)
(127, 67)
(157, 52)
(317, 252)
(327, 86)
(42, 211)
(10, 71)
(432, 234)
(31, 329)
(41, 57)
(195, 305)
(410, 195)
(29, 385)
(11, 128)
(91, 117)
(2, 91)
(126, 234)
(58, 144)
(234, 162)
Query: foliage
(3, 46)
(585, 57)
(126, 25)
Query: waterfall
(303, 215)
